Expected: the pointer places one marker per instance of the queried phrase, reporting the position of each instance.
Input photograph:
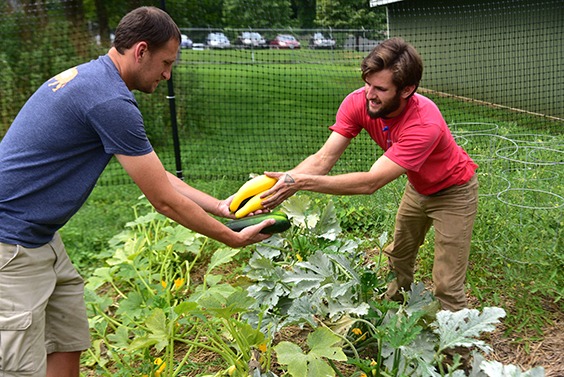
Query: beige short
(42, 307)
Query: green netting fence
(493, 67)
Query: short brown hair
(149, 24)
(398, 56)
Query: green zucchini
(282, 223)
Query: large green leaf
(296, 207)
(328, 226)
(221, 256)
(462, 328)
(157, 332)
(322, 344)
(291, 354)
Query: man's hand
(223, 208)
(282, 190)
(251, 234)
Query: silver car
(217, 40)
(251, 39)
(318, 40)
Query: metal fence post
(173, 121)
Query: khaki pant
(452, 212)
(42, 308)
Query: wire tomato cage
(521, 170)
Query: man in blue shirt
(50, 160)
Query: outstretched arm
(207, 202)
(319, 163)
(184, 204)
(307, 176)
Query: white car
(217, 40)
(318, 40)
(251, 39)
(185, 42)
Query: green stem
(335, 368)
(225, 354)
(379, 359)
(99, 362)
(114, 324)
(170, 347)
(397, 359)
(244, 347)
(149, 289)
(119, 292)
(356, 355)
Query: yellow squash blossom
(162, 365)
(178, 283)
(231, 370)
(357, 331)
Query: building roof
(377, 3)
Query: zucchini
(282, 223)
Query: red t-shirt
(418, 140)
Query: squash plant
(150, 315)
(148, 318)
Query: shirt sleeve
(119, 124)
(348, 120)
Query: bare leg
(63, 364)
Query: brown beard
(387, 109)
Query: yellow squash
(252, 205)
(249, 189)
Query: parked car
(185, 42)
(217, 40)
(251, 39)
(285, 41)
(318, 40)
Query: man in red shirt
(442, 188)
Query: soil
(547, 352)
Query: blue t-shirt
(59, 144)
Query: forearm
(189, 214)
(184, 204)
(360, 183)
(382, 172)
(207, 202)
(313, 165)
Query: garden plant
(165, 296)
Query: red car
(285, 41)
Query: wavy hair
(398, 56)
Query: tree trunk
(103, 23)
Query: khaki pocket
(22, 346)
(7, 254)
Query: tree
(196, 13)
(304, 13)
(349, 14)
(257, 13)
